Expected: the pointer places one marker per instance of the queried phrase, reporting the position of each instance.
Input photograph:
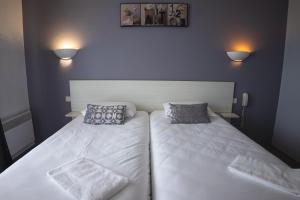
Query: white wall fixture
(19, 133)
(65, 54)
(238, 56)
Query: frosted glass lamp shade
(65, 54)
(238, 56)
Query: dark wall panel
(194, 53)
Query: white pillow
(168, 110)
(130, 107)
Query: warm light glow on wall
(241, 45)
(65, 63)
(236, 65)
(66, 41)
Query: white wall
(13, 81)
(287, 133)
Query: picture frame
(154, 15)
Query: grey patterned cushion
(189, 114)
(109, 115)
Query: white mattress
(121, 148)
(190, 162)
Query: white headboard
(149, 95)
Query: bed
(187, 161)
(121, 148)
(190, 162)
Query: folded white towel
(86, 180)
(277, 176)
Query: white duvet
(190, 162)
(123, 149)
(278, 177)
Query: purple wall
(193, 53)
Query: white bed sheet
(122, 148)
(190, 162)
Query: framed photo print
(177, 14)
(154, 15)
(130, 14)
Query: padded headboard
(149, 95)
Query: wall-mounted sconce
(65, 54)
(238, 56)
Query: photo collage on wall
(143, 15)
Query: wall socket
(235, 100)
(68, 99)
